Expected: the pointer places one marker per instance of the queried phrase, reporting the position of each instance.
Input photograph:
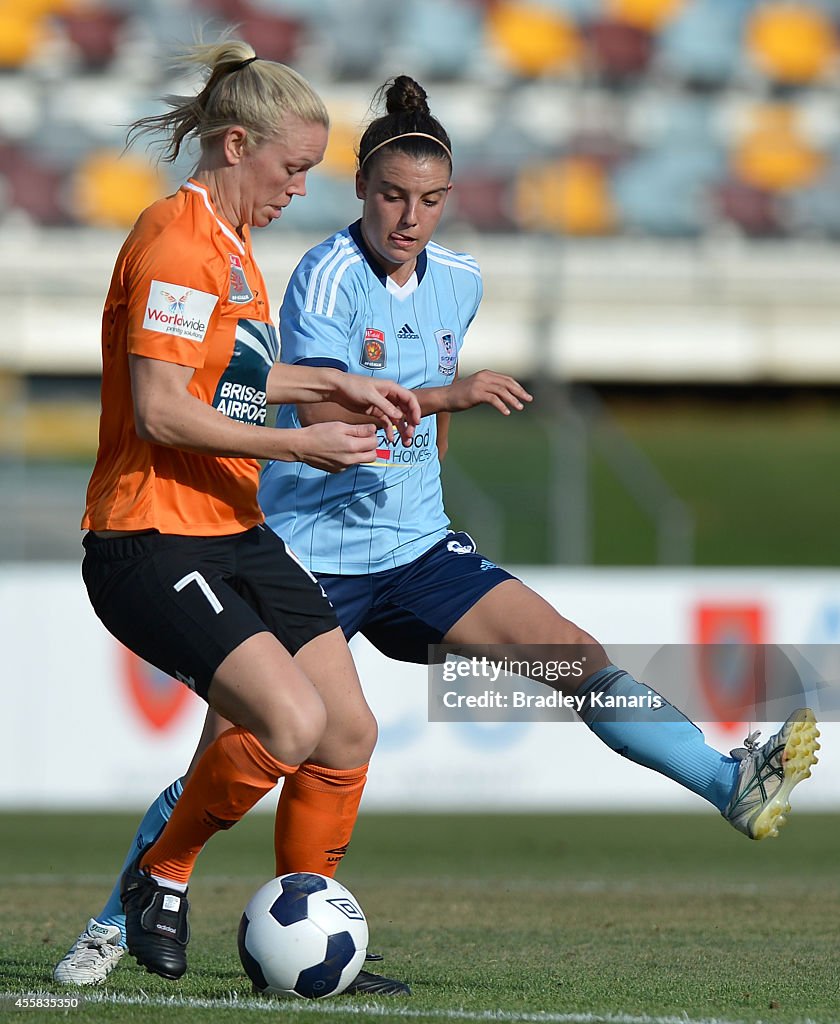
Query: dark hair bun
(406, 95)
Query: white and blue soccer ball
(303, 934)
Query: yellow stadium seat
(533, 40)
(20, 36)
(792, 43)
(340, 157)
(650, 15)
(110, 190)
(569, 196)
(774, 155)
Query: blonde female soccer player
(179, 564)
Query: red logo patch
(731, 658)
(155, 696)
(373, 350)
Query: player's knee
(292, 731)
(361, 739)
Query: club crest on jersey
(239, 290)
(373, 350)
(447, 352)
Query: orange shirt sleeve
(173, 301)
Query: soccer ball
(302, 934)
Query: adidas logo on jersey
(407, 333)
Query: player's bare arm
(166, 413)
(486, 387)
(383, 402)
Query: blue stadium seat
(435, 53)
(703, 43)
(330, 204)
(815, 211)
(666, 192)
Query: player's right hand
(335, 446)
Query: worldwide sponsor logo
(373, 354)
(182, 312)
(407, 333)
(447, 352)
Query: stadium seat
(774, 155)
(667, 192)
(755, 212)
(701, 44)
(791, 43)
(273, 36)
(20, 108)
(619, 53)
(340, 157)
(815, 211)
(576, 10)
(351, 41)
(483, 202)
(435, 54)
(21, 34)
(330, 203)
(94, 33)
(570, 196)
(649, 15)
(35, 187)
(531, 40)
(110, 189)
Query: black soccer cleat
(157, 928)
(367, 984)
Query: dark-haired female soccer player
(381, 298)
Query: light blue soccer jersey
(341, 310)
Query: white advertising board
(88, 725)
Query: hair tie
(407, 135)
(243, 64)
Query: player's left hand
(387, 403)
(487, 387)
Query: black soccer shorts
(183, 604)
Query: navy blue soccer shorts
(403, 611)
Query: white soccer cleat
(768, 773)
(92, 957)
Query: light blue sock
(149, 829)
(660, 738)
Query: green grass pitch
(629, 919)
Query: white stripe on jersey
(341, 247)
(447, 254)
(237, 241)
(336, 281)
(461, 266)
(262, 346)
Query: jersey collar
(356, 234)
(193, 186)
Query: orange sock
(233, 773)
(315, 818)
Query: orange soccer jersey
(185, 290)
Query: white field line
(390, 1012)
(583, 885)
